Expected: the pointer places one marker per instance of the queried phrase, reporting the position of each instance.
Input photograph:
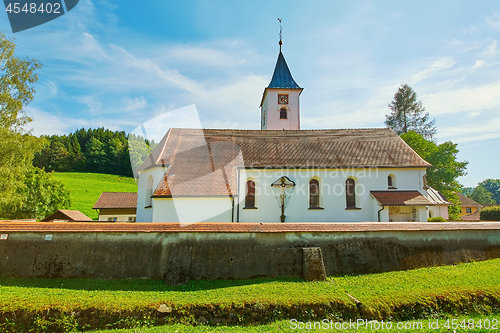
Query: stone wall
(235, 250)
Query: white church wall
(192, 210)
(332, 194)
(146, 214)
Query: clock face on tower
(282, 99)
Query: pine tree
(408, 114)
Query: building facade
(281, 173)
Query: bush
(436, 219)
(491, 213)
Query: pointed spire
(282, 78)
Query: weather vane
(281, 42)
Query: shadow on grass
(133, 285)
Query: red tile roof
(10, 227)
(401, 198)
(472, 217)
(202, 162)
(467, 202)
(68, 215)
(116, 200)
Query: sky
(119, 63)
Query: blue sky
(118, 64)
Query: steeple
(282, 78)
(280, 102)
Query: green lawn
(467, 290)
(86, 188)
(437, 325)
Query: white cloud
(489, 51)
(494, 20)
(434, 67)
(472, 132)
(465, 99)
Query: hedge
(436, 219)
(491, 213)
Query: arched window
(389, 181)
(314, 193)
(250, 197)
(283, 114)
(350, 193)
(149, 192)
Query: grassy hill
(86, 188)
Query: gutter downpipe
(237, 193)
(381, 209)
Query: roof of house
(437, 197)
(401, 198)
(467, 202)
(476, 216)
(282, 78)
(67, 215)
(202, 161)
(116, 200)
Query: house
(117, 206)
(440, 207)
(281, 173)
(67, 215)
(468, 205)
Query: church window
(314, 193)
(149, 192)
(350, 193)
(250, 197)
(389, 181)
(283, 114)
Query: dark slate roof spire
(282, 78)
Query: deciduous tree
(445, 169)
(17, 146)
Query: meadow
(470, 290)
(85, 188)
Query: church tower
(279, 107)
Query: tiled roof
(116, 200)
(202, 162)
(467, 202)
(69, 215)
(401, 198)
(282, 78)
(472, 217)
(11, 227)
(437, 197)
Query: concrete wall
(239, 255)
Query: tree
(408, 114)
(481, 195)
(17, 146)
(445, 169)
(41, 196)
(492, 186)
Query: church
(281, 173)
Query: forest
(94, 150)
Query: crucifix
(280, 188)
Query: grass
(85, 188)
(469, 289)
(441, 324)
